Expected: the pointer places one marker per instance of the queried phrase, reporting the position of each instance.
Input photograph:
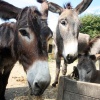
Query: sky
(53, 18)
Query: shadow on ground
(11, 93)
(23, 94)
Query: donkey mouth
(69, 61)
(36, 92)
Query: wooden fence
(75, 90)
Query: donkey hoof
(54, 84)
(64, 72)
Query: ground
(17, 88)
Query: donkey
(83, 41)
(23, 41)
(85, 59)
(66, 37)
(87, 69)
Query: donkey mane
(67, 5)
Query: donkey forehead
(68, 13)
(23, 17)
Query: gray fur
(87, 69)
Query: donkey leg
(1, 87)
(64, 68)
(58, 62)
(5, 77)
(5, 81)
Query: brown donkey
(66, 37)
(26, 41)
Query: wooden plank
(60, 89)
(76, 90)
(84, 88)
(72, 96)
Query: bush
(90, 24)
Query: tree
(90, 24)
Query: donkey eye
(63, 22)
(88, 71)
(24, 33)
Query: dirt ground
(17, 88)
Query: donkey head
(33, 51)
(31, 48)
(68, 27)
(86, 67)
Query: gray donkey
(66, 37)
(87, 70)
(86, 65)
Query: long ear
(8, 11)
(97, 56)
(83, 6)
(93, 57)
(55, 8)
(44, 8)
(41, 1)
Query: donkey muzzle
(70, 58)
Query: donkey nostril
(68, 57)
(37, 85)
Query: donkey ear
(55, 8)
(97, 56)
(93, 57)
(8, 11)
(79, 55)
(44, 8)
(83, 6)
(41, 1)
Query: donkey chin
(71, 59)
(38, 77)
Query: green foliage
(90, 24)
